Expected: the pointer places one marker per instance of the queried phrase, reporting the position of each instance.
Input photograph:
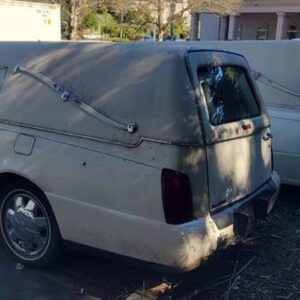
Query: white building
(258, 19)
(29, 21)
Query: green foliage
(91, 21)
(107, 24)
(131, 19)
(136, 24)
(131, 25)
(181, 30)
(102, 23)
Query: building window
(239, 31)
(262, 32)
(292, 32)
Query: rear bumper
(196, 240)
(256, 206)
(183, 246)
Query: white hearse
(276, 67)
(157, 152)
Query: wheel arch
(7, 178)
(54, 243)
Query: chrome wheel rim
(25, 225)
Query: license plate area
(244, 220)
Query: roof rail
(68, 96)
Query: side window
(262, 32)
(292, 32)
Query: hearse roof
(146, 84)
(16, 48)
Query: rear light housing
(176, 196)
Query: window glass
(292, 32)
(263, 32)
(228, 94)
(239, 32)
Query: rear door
(235, 123)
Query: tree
(161, 14)
(168, 12)
(77, 11)
(136, 23)
(91, 21)
(129, 13)
(73, 13)
(101, 22)
(106, 9)
(180, 29)
(119, 21)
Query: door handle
(267, 137)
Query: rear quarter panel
(103, 195)
(90, 173)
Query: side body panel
(119, 81)
(103, 183)
(101, 193)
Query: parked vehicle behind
(157, 152)
(276, 69)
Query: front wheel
(28, 226)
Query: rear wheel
(28, 227)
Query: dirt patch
(276, 244)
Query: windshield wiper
(68, 96)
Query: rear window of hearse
(228, 94)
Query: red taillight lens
(177, 197)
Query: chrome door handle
(267, 137)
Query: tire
(28, 227)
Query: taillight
(177, 197)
